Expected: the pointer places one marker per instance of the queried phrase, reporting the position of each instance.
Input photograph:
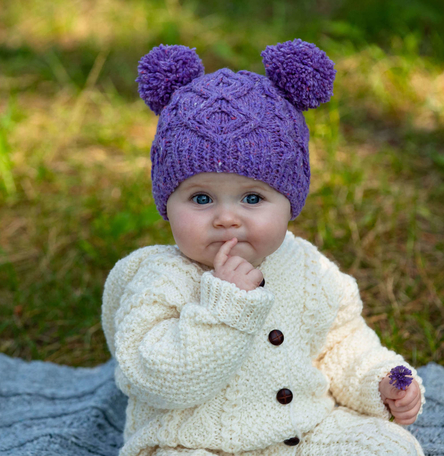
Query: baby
(242, 338)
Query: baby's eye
(253, 198)
(201, 198)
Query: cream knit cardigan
(195, 361)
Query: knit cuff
(370, 397)
(240, 309)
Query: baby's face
(208, 209)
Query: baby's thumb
(395, 393)
(389, 391)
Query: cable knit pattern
(345, 432)
(354, 359)
(194, 359)
(226, 122)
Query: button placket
(284, 395)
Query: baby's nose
(227, 217)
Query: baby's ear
(163, 70)
(302, 72)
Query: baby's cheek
(184, 238)
(271, 238)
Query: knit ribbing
(245, 311)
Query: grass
(75, 190)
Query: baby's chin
(201, 261)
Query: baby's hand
(403, 405)
(235, 269)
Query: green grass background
(75, 190)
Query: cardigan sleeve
(353, 358)
(176, 348)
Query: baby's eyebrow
(252, 186)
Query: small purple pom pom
(302, 71)
(399, 379)
(164, 69)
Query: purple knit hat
(228, 122)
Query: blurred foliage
(375, 21)
(75, 191)
(64, 43)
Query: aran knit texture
(194, 359)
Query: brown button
(262, 283)
(292, 442)
(276, 337)
(284, 396)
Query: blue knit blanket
(52, 410)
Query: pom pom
(163, 70)
(302, 71)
